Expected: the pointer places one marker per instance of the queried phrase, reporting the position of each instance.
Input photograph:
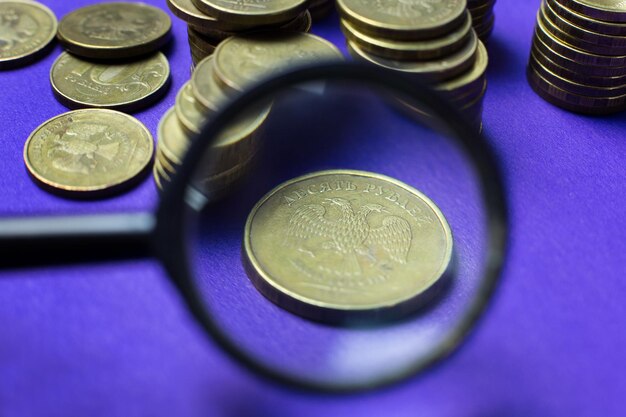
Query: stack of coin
(483, 18)
(212, 21)
(237, 62)
(112, 60)
(578, 58)
(431, 41)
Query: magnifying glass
(357, 245)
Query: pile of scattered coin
(237, 62)
(212, 21)
(483, 18)
(19, 46)
(97, 38)
(431, 41)
(578, 58)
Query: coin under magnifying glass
(114, 30)
(26, 29)
(335, 244)
(125, 86)
(88, 151)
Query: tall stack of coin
(431, 41)
(212, 21)
(237, 62)
(112, 59)
(483, 18)
(578, 58)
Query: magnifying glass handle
(37, 241)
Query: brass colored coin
(576, 77)
(438, 70)
(26, 29)
(157, 180)
(205, 87)
(242, 60)
(332, 245)
(166, 164)
(471, 79)
(578, 43)
(573, 87)
(200, 42)
(410, 50)
(252, 12)
(172, 139)
(88, 151)
(192, 115)
(402, 19)
(573, 53)
(574, 66)
(593, 25)
(573, 102)
(607, 10)
(610, 42)
(114, 30)
(126, 86)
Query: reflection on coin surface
(80, 83)
(417, 19)
(26, 27)
(245, 59)
(88, 150)
(114, 30)
(332, 243)
(204, 86)
(253, 12)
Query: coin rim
(25, 58)
(88, 189)
(130, 105)
(272, 290)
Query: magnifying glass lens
(337, 235)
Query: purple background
(116, 340)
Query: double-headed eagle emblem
(351, 234)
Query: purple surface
(116, 340)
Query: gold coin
(613, 44)
(334, 243)
(252, 12)
(436, 69)
(470, 79)
(172, 139)
(573, 102)
(124, 86)
(88, 151)
(114, 30)
(26, 29)
(594, 25)
(410, 50)
(242, 60)
(549, 63)
(607, 10)
(205, 87)
(402, 19)
(192, 116)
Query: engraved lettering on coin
(88, 150)
(89, 84)
(25, 28)
(345, 240)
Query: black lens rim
(171, 212)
